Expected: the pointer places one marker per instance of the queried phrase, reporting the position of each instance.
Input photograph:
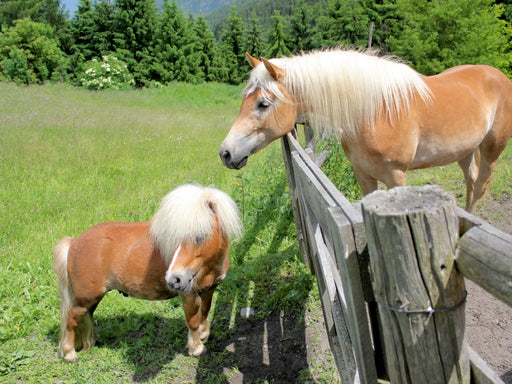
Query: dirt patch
(488, 320)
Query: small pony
(182, 251)
(388, 117)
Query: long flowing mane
(185, 214)
(343, 89)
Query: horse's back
(100, 257)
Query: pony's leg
(469, 166)
(192, 305)
(206, 303)
(67, 342)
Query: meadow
(71, 158)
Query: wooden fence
(391, 283)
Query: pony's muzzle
(180, 281)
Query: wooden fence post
(412, 233)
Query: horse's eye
(264, 104)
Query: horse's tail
(84, 332)
(187, 212)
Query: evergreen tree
(277, 41)
(176, 55)
(435, 35)
(346, 23)
(254, 40)
(233, 49)
(302, 28)
(134, 26)
(206, 46)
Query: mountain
(189, 6)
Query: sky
(70, 6)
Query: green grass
(71, 158)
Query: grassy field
(71, 158)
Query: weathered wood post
(412, 233)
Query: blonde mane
(185, 214)
(343, 89)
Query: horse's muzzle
(228, 161)
(180, 282)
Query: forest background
(143, 43)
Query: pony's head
(192, 230)
(268, 112)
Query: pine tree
(255, 45)
(135, 22)
(206, 47)
(277, 41)
(302, 28)
(435, 35)
(233, 50)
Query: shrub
(108, 73)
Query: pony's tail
(226, 210)
(84, 332)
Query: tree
(438, 34)
(30, 53)
(206, 46)
(177, 52)
(134, 27)
(233, 50)
(277, 41)
(346, 22)
(255, 44)
(302, 28)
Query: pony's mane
(185, 215)
(343, 89)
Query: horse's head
(199, 264)
(268, 112)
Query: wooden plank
(338, 231)
(484, 255)
(481, 373)
(412, 234)
(338, 307)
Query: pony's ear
(276, 72)
(253, 62)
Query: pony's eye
(264, 104)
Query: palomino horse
(182, 252)
(388, 117)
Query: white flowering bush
(108, 73)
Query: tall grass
(71, 158)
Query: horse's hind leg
(71, 320)
(489, 154)
(470, 168)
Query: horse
(182, 251)
(388, 117)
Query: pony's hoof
(197, 351)
(71, 357)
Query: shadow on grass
(272, 348)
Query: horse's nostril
(226, 155)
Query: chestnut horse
(388, 117)
(182, 251)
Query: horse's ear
(276, 72)
(253, 62)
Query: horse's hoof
(197, 351)
(71, 357)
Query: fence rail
(334, 243)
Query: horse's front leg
(206, 303)
(192, 306)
